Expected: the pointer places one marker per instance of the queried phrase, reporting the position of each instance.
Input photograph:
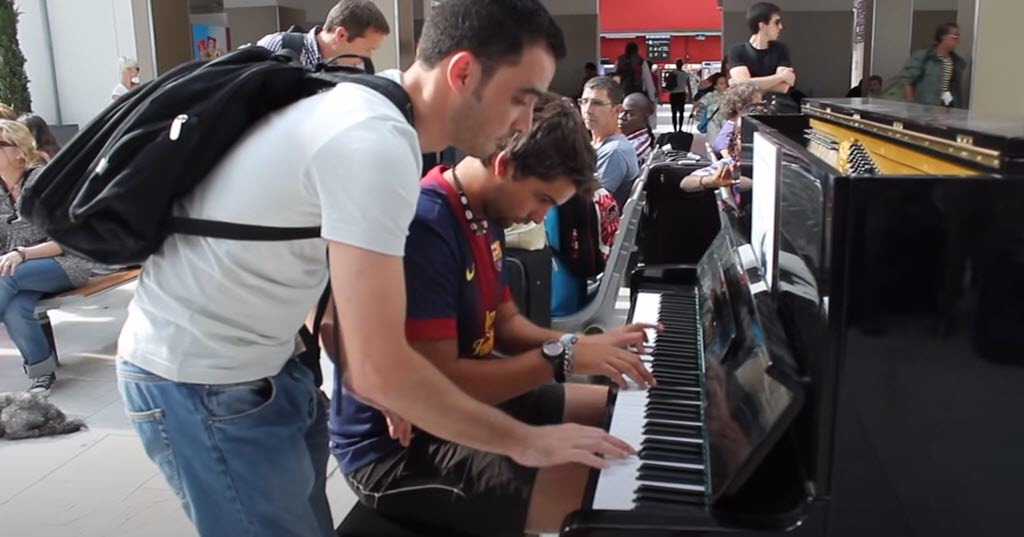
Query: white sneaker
(42, 385)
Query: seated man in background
(637, 110)
(617, 166)
(459, 315)
(351, 27)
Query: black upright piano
(847, 358)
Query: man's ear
(502, 166)
(463, 72)
(340, 34)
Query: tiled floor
(99, 482)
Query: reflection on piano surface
(875, 387)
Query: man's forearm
(422, 394)
(908, 92)
(494, 381)
(767, 83)
(518, 335)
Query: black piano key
(677, 383)
(692, 397)
(674, 446)
(675, 373)
(651, 471)
(650, 494)
(673, 407)
(673, 430)
(665, 455)
(671, 415)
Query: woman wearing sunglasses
(31, 265)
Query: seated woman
(32, 265)
(46, 142)
(736, 99)
(724, 173)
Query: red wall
(659, 15)
(686, 47)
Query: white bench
(95, 286)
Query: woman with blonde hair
(31, 265)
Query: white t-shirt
(215, 311)
(119, 90)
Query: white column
(890, 36)
(997, 78)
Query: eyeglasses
(585, 101)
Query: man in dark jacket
(936, 75)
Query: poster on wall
(209, 41)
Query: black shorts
(438, 484)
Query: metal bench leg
(44, 323)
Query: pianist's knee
(557, 492)
(585, 404)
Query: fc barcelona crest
(497, 255)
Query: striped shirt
(643, 142)
(310, 50)
(947, 72)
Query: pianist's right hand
(553, 445)
(607, 358)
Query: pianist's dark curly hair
(556, 147)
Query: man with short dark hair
(634, 121)
(206, 360)
(352, 27)
(462, 318)
(617, 166)
(763, 59)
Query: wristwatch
(554, 352)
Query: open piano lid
(996, 142)
(750, 398)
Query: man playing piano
(460, 316)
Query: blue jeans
(19, 295)
(247, 459)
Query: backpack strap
(391, 90)
(294, 41)
(242, 232)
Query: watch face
(552, 348)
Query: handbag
(702, 127)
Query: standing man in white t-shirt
(205, 358)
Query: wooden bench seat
(95, 286)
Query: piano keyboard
(665, 422)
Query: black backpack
(671, 80)
(630, 71)
(108, 194)
(579, 237)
